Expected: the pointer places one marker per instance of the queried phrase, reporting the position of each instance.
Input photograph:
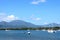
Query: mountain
(20, 23)
(51, 25)
(16, 24)
(3, 24)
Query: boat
(6, 30)
(51, 31)
(29, 32)
(43, 30)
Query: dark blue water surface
(23, 35)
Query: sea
(32, 35)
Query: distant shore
(39, 28)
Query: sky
(34, 11)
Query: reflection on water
(23, 35)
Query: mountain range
(16, 24)
(20, 23)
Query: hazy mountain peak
(17, 23)
(21, 23)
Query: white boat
(29, 32)
(6, 30)
(51, 31)
(43, 30)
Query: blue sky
(34, 11)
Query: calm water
(23, 35)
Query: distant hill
(51, 25)
(20, 24)
(16, 24)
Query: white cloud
(43, 0)
(46, 23)
(37, 1)
(8, 18)
(35, 18)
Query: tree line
(32, 28)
